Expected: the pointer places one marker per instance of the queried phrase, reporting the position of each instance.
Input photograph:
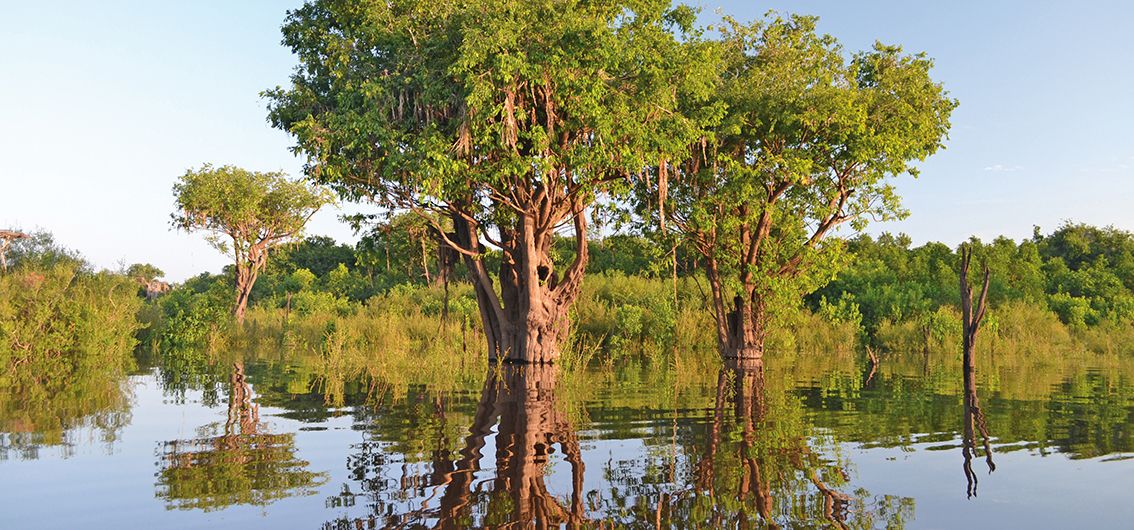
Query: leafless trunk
(971, 316)
(873, 357)
(973, 420)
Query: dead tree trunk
(973, 419)
(971, 316)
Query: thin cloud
(1002, 168)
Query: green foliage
(805, 139)
(215, 473)
(428, 84)
(66, 338)
(144, 271)
(245, 214)
(626, 315)
(194, 315)
(240, 209)
(628, 254)
(317, 254)
(40, 251)
(402, 248)
(891, 282)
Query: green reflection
(244, 465)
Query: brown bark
(750, 409)
(528, 320)
(459, 481)
(243, 413)
(248, 268)
(741, 328)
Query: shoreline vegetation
(71, 334)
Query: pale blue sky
(103, 104)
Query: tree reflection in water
(244, 465)
(973, 423)
(520, 401)
(754, 463)
(771, 477)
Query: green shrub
(66, 338)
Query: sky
(104, 104)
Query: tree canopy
(507, 118)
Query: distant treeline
(1081, 275)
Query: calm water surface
(804, 441)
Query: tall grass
(397, 340)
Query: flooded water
(802, 441)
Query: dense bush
(195, 314)
(66, 340)
(1083, 274)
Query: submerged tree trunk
(741, 325)
(973, 419)
(525, 321)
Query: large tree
(809, 141)
(509, 118)
(246, 214)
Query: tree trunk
(528, 321)
(247, 270)
(244, 282)
(973, 420)
(741, 329)
(425, 262)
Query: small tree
(144, 272)
(246, 214)
(806, 144)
